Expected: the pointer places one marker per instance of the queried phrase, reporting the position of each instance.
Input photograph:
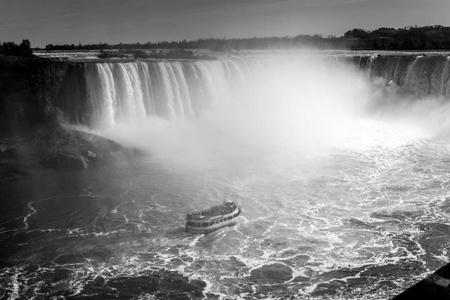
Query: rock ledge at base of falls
(39, 99)
(56, 148)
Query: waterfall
(445, 78)
(418, 76)
(123, 91)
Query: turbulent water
(342, 177)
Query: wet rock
(305, 248)
(388, 270)
(93, 158)
(197, 284)
(301, 279)
(180, 286)
(341, 273)
(163, 285)
(323, 289)
(357, 281)
(275, 273)
(297, 260)
(11, 170)
(357, 223)
(134, 286)
(90, 154)
(394, 216)
(173, 295)
(68, 161)
(53, 147)
(98, 281)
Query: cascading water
(125, 91)
(251, 104)
(417, 75)
(343, 182)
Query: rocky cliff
(32, 92)
(37, 98)
(416, 75)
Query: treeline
(12, 49)
(158, 54)
(316, 41)
(409, 38)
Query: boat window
(205, 224)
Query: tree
(356, 33)
(11, 48)
(25, 48)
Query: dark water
(366, 220)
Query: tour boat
(213, 218)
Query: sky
(129, 21)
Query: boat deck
(212, 212)
(214, 218)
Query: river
(343, 184)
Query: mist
(277, 108)
(428, 116)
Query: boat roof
(212, 211)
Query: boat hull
(209, 225)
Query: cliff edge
(32, 90)
(38, 99)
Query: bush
(111, 54)
(11, 48)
